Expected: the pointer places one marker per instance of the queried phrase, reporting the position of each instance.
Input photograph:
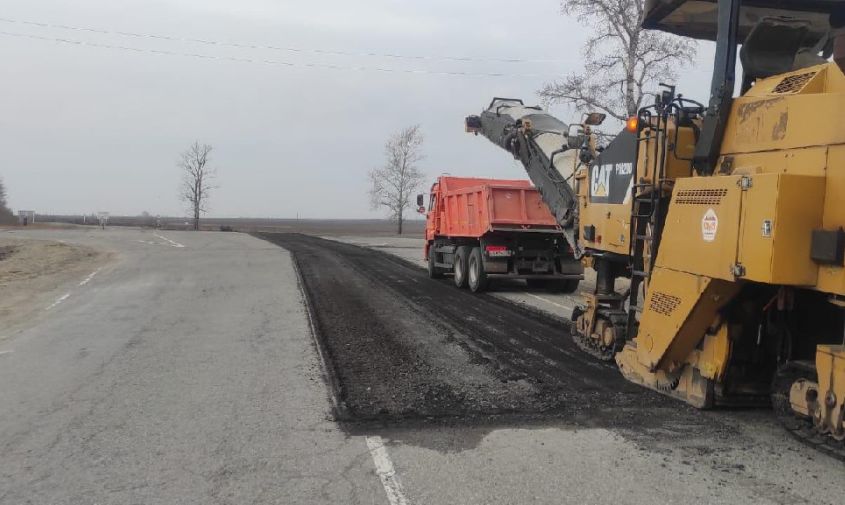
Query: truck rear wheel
(461, 265)
(433, 271)
(476, 276)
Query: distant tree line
(6, 215)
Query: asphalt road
(175, 375)
(184, 371)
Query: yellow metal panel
(804, 161)
(670, 298)
(679, 307)
(702, 227)
(690, 386)
(677, 163)
(611, 220)
(834, 210)
(779, 212)
(776, 123)
(832, 278)
(799, 211)
(799, 109)
(677, 160)
(804, 81)
(759, 206)
(713, 357)
(760, 121)
(612, 223)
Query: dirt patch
(6, 251)
(31, 270)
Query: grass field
(323, 227)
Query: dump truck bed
(473, 207)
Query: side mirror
(420, 200)
(472, 124)
(594, 118)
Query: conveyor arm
(536, 139)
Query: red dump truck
(483, 229)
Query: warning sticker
(709, 225)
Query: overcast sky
(85, 128)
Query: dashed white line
(88, 279)
(67, 295)
(550, 302)
(171, 242)
(10, 351)
(386, 472)
(58, 301)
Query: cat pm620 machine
(727, 218)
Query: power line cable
(242, 45)
(266, 61)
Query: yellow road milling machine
(728, 218)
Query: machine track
(799, 426)
(590, 345)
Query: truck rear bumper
(544, 270)
(580, 277)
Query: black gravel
(402, 346)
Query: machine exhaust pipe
(839, 51)
(837, 26)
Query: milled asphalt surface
(410, 248)
(404, 346)
(189, 375)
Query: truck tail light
(497, 250)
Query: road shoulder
(35, 273)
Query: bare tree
(197, 175)
(393, 184)
(621, 59)
(6, 215)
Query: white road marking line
(171, 242)
(386, 472)
(90, 276)
(10, 351)
(549, 301)
(59, 300)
